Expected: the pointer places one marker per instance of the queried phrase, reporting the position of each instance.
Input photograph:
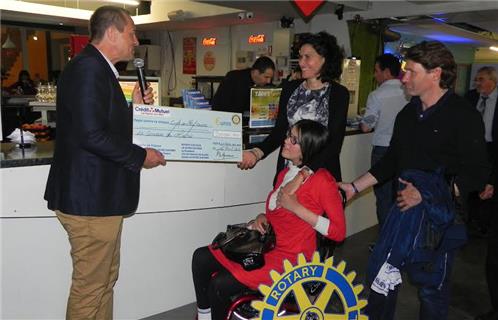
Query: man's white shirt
(383, 104)
(488, 114)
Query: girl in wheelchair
(294, 209)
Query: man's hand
(348, 189)
(364, 127)
(408, 197)
(137, 95)
(249, 160)
(153, 159)
(487, 193)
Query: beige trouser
(95, 244)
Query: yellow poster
(264, 107)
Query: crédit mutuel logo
(311, 291)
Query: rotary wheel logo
(235, 119)
(311, 291)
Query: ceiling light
(8, 44)
(128, 2)
(490, 48)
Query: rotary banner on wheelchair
(309, 290)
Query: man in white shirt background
(383, 104)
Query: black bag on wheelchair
(244, 246)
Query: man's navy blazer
(96, 167)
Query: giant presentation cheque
(188, 134)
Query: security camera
(177, 15)
(241, 16)
(339, 11)
(286, 23)
(249, 15)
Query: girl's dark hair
(312, 138)
(326, 46)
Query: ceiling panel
(453, 27)
(78, 4)
(273, 10)
(444, 33)
(424, 2)
(484, 19)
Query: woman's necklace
(314, 84)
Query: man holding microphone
(94, 179)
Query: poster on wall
(263, 107)
(77, 43)
(189, 55)
(350, 78)
(209, 60)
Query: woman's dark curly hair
(313, 137)
(326, 46)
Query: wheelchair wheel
(241, 308)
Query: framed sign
(350, 78)
(264, 107)
(209, 60)
(189, 55)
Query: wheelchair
(241, 309)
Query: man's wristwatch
(257, 153)
(355, 189)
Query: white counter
(182, 206)
(44, 108)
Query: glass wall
(12, 55)
(43, 53)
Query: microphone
(142, 82)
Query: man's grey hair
(105, 17)
(490, 72)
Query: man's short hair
(388, 61)
(105, 17)
(490, 72)
(262, 64)
(433, 54)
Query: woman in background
(24, 84)
(317, 96)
